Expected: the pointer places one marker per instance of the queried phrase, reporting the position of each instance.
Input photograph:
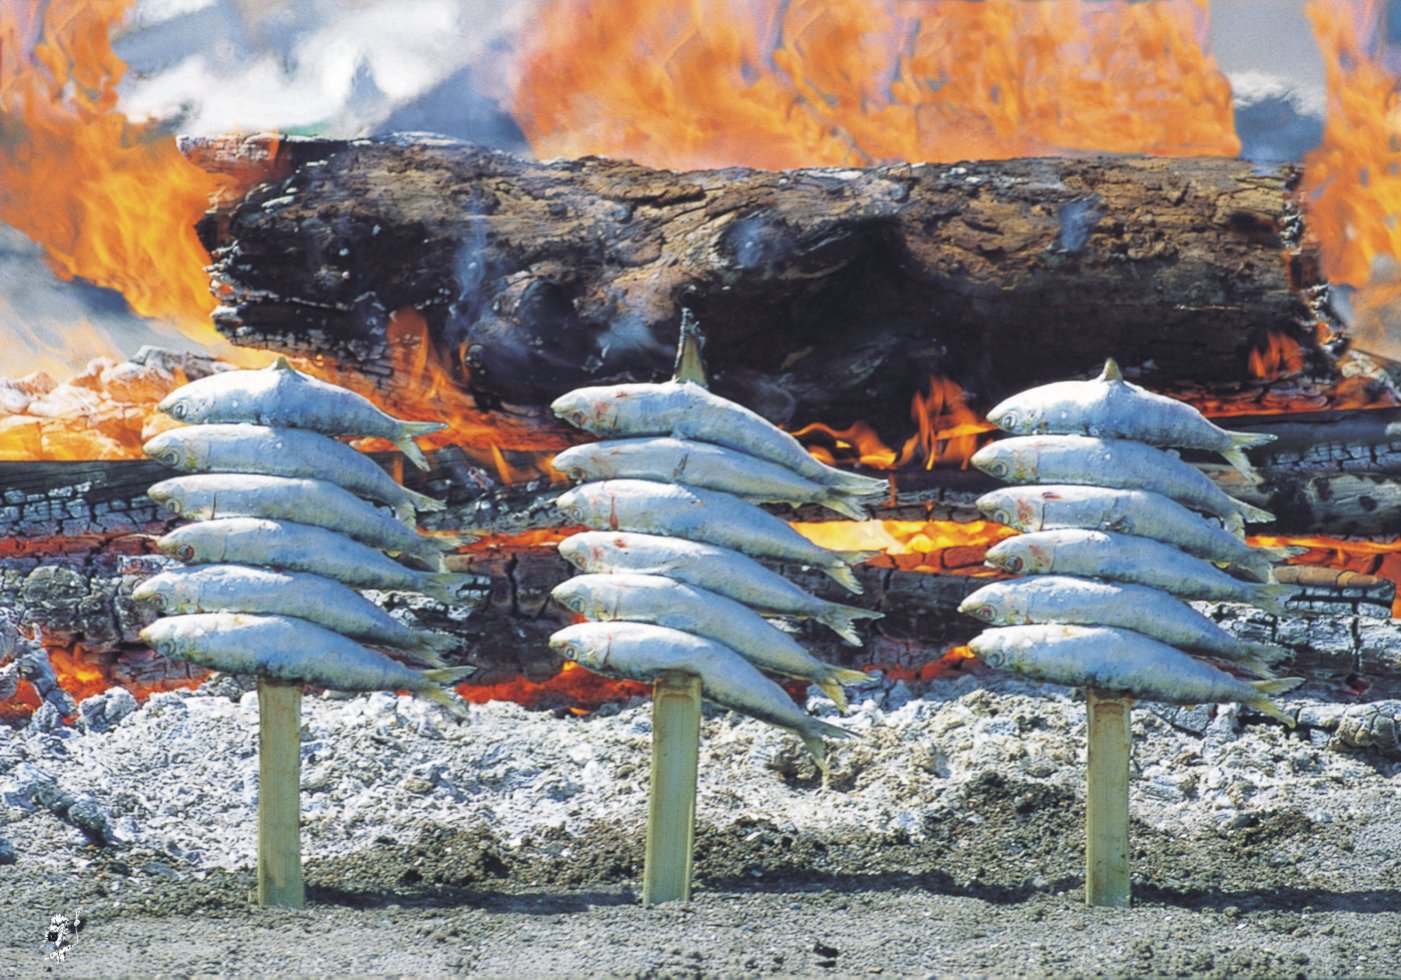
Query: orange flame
(1352, 181)
(947, 431)
(776, 84)
(1281, 356)
(112, 202)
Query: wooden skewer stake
(671, 809)
(1107, 800)
(279, 795)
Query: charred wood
(824, 294)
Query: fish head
(173, 449)
(575, 550)
(581, 463)
(189, 403)
(988, 604)
(583, 645)
(588, 409)
(1015, 556)
(571, 504)
(166, 638)
(572, 595)
(996, 460)
(155, 592)
(988, 649)
(1000, 507)
(170, 494)
(1017, 415)
(192, 543)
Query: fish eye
(186, 552)
(1013, 563)
(578, 473)
(1009, 419)
(997, 469)
(179, 410)
(165, 648)
(158, 601)
(983, 612)
(1002, 516)
(171, 504)
(994, 659)
(169, 457)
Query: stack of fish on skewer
(670, 578)
(1117, 532)
(287, 529)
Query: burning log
(825, 294)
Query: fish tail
(813, 733)
(1255, 665)
(831, 684)
(404, 435)
(452, 702)
(836, 501)
(1235, 455)
(425, 656)
(1270, 597)
(857, 485)
(449, 675)
(841, 619)
(418, 501)
(443, 586)
(818, 750)
(843, 575)
(1266, 653)
(1247, 514)
(1277, 685)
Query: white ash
(180, 774)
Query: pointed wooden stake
(1107, 800)
(279, 795)
(671, 809)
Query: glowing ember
(846, 82)
(112, 202)
(937, 546)
(946, 431)
(1281, 356)
(573, 687)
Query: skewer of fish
(279, 451)
(303, 548)
(699, 464)
(1116, 463)
(687, 410)
(1116, 659)
(721, 570)
(280, 395)
(1110, 407)
(1124, 558)
(288, 649)
(1041, 599)
(642, 651)
(315, 598)
(708, 516)
(665, 602)
(1143, 513)
(304, 501)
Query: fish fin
(449, 675)
(1111, 371)
(813, 738)
(443, 586)
(835, 501)
(818, 750)
(833, 690)
(1235, 455)
(1266, 653)
(1255, 665)
(843, 575)
(404, 438)
(1277, 685)
(450, 701)
(689, 366)
(1236, 458)
(856, 485)
(841, 619)
(425, 656)
(280, 363)
(1247, 514)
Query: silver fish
(303, 548)
(701, 464)
(288, 649)
(1121, 660)
(1123, 558)
(702, 515)
(320, 600)
(244, 448)
(720, 570)
(688, 411)
(1111, 407)
(281, 395)
(303, 500)
(1121, 463)
(1139, 512)
(666, 602)
(1085, 602)
(642, 651)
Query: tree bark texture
(825, 295)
